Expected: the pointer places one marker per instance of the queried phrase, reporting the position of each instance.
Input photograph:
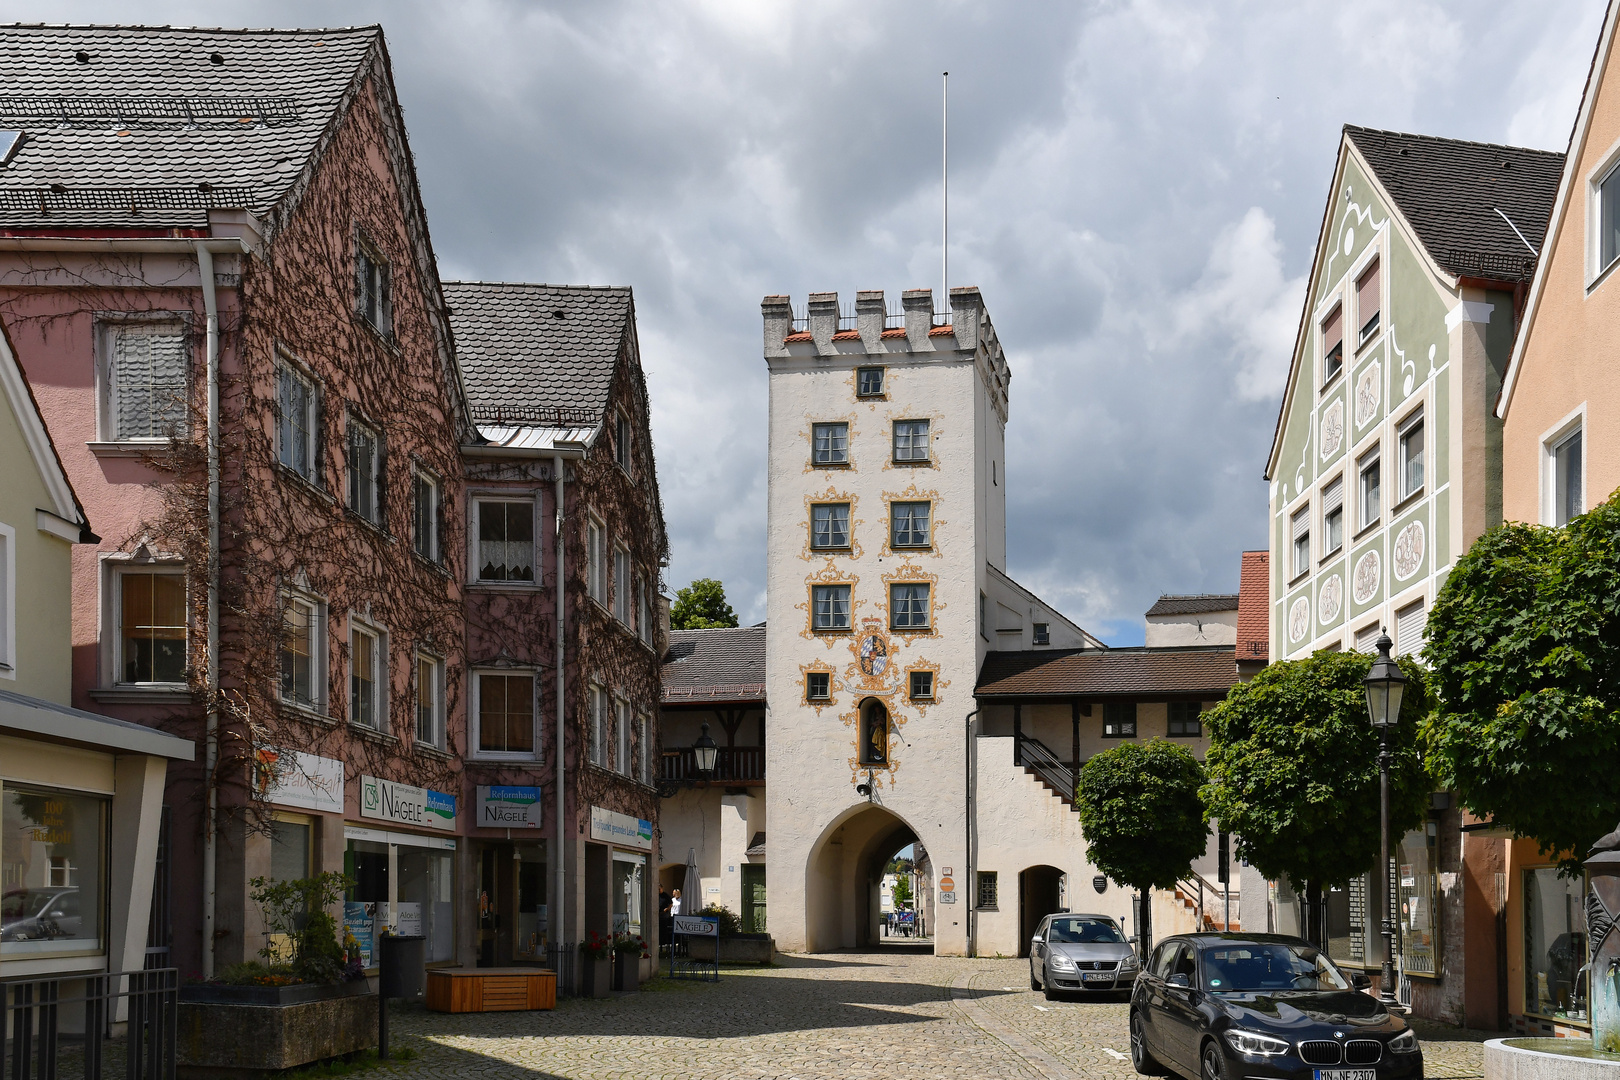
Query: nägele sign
(508, 807)
(406, 804)
(697, 925)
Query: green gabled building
(1386, 463)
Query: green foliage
(902, 890)
(1140, 812)
(729, 922)
(1524, 640)
(700, 606)
(296, 912)
(1293, 768)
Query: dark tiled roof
(1254, 601)
(1193, 605)
(538, 353)
(1450, 190)
(726, 664)
(149, 132)
(1105, 673)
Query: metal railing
(1053, 771)
(1196, 885)
(563, 958)
(732, 765)
(32, 1011)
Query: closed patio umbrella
(692, 887)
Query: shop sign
(611, 827)
(508, 807)
(294, 778)
(406, 804)
(697, 925)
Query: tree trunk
(1144, 928)
(1316, 927)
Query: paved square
(868, 1015)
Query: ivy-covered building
(1387, 464)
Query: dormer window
(9, 141)
(1332, 345)
(1367, 304)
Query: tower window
(829, 444)
(829, 525)
(830, 607)
(908, 524)
(869, 382)
(922, 686)
(911, 441)
(817, 685)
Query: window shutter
(1410, 623)
(1302, 523)
(1332, 497)
(1367, 639)
(1333, 330)
(1367, 295)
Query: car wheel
(1211, 1066)
(1144, 1062)
(1051, 993)
(1034, 983)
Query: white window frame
(1369, 460)
(435, 736)
(622, 576)
(286, 369)
(623, 733)
(1608, 167)
(359, 624)
(475, 721)
(360, 430)
(118, 570)
(643, 611)
(1573, 423)
(1321, 336)
(597, 704)
(318, 649)
(8, 601)
(1299, 564)
(108, 329)
(475, 561)
(596, 560)
(1414, 419)
(1327, 532)
(425, 531)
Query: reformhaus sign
(406, 804)
(508, 807)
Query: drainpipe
(205, 267)
(559, 905)
(967, 828)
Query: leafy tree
(1141, 817)
(1525, 643)
(902, 890)
(1293, 771)
(700, 606)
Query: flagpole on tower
(945, 185)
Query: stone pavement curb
(966, 998)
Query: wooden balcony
(733, 766)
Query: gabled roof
(65, 506)
(1451, 190)
(1446, 194)
(538, 354)
(1201, 604)
(1254, 605)
(1566, 189)
(721, 665)
(140, 127)
(1095, 674)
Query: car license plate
(1104, 976)
(1346, 1074)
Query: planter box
(627, 971)
(220, 1038)
(735, 949)
(597, 976)
(297, 994)
(458, 990)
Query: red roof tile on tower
(1254, 598)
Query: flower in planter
(596, 947)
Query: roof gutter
(569, 451)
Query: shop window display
(1554, 945)
(425, 899)
(627, 892)
(51, 877)
(530, 943)
(365, 907)
(1418, 885)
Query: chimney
(823, 319)
(919, 307)
(869, 317)
(778, 313)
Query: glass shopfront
(401, 880)
(52, 871)
(629, 872)
(1555, 946)
(1417, 864)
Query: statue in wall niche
(1603, 972)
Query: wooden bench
(459, 990)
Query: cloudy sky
(1136, 187)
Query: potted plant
(627, 952)
(596, 958)
(306, 999)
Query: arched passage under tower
(843, 876)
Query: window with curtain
(505, 540)
(152, 626)
(830, 444)
(908, 524)
(910, 441)
(298, 405)
(1411, 444)
(365, 676)
(829, 525)
(506, 713)
(908, 606)
(300, 652)
(830, 607)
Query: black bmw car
(1241, 1006)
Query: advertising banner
(611, 827)
(294, 778)
(406, 804)
(508, 807)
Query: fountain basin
(1548, 1059)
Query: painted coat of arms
(874, 655)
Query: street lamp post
(1385, 687)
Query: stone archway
(1040, 893)
(843, 873)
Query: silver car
(1073, 953)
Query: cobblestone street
(890, 1014)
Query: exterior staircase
(1202, 903)
(1056, 775)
